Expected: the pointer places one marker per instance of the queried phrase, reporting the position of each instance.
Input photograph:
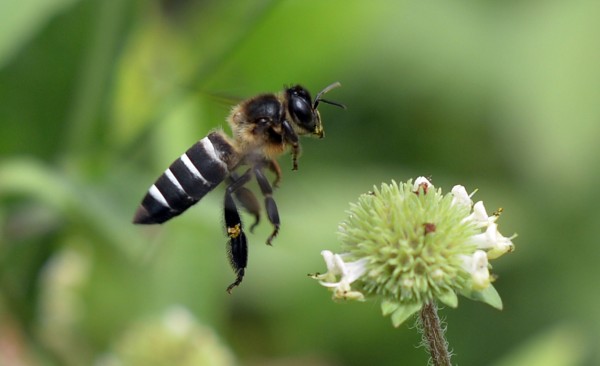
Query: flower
(460, 196)
(479, 215)
(348, 272)
(408, 244)
(492, 241)
(423, 183)
(477, 266)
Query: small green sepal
(388, 307)
(489, 295)
(449, 298)
(404, 312)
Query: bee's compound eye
(301, 110)
(300, 106)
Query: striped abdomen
(195, 173)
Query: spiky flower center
(413, 241)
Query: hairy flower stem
(433, 334)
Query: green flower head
(408, 244)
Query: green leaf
(388, 307)
(489, 296)
(403, 312)
(449, 298)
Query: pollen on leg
(234, 232)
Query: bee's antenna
(328, 88)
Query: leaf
(403, 312)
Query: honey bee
(263, 128)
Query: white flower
(493, 242)
(422, 182)
(461, 197)
(477, 266)
(480, 216)
(348, 273)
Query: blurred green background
(98, 97)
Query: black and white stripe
(195, 173)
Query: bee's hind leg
(237, 249)
(247, 199)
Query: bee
(263, 128)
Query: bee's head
(304, 111)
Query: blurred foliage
(98, 97)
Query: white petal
(479, 212)
(477, 266)
(487, 239)
(422, 182)
(503, 245)
(330, 284)
(480, 216)
(481, 273)
(461, 197)
(330, 262)
(355, 270)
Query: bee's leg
(270, 205)
(276, 169)
(292, 138)
(237, 246)
(247, 199)
(250, 203)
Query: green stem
(433, 335)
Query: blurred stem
(433, 335)
(94, 76)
